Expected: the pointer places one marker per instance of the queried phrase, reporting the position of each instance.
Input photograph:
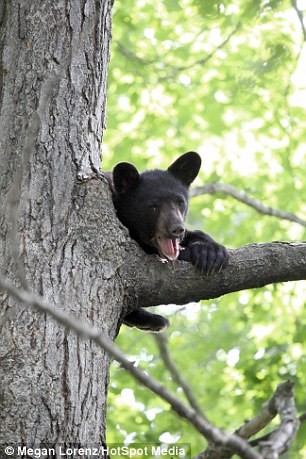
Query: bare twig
(131, 55)
(242, 196)
(162, 343)
(300, 16)
(256, 442)
(268, 412)
(280, 440)
(209, 431)
(173, 71)
(202, 61)
(272, 444)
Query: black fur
(153, 205)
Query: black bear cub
(153, 205)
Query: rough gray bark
(54, 58)
(251, 266)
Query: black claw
(204, 253)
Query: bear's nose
(177, 231)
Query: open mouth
(168, 248)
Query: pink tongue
(168, 248)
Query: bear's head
(153, 205)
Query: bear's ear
(186, 167)
(125, 177)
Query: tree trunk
(54, 225)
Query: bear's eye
(153, 206)
(181, 202)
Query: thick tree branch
(251, 266)
(242, 196)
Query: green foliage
(226, 80)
